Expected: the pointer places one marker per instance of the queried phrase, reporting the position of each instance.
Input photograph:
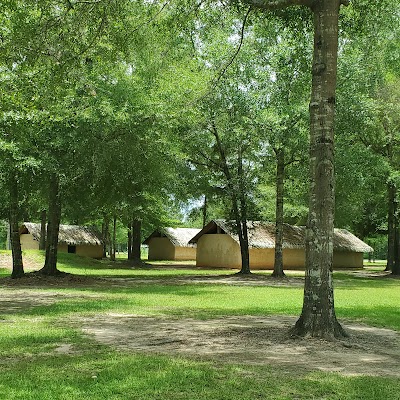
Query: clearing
(246, 340)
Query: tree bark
(280, 176)
(130, 229)
(8, 239)
(318, 318)
(53, 227)
(396, 252)
(136, 241)
(105, 234)
(242, 216)
(17, 267)
(43, 220)
(391, 225)
(204, 210)
(114, 239)
(244, 248)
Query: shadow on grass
(361, 279)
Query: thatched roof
(262, 236)
(69, 234)
(179, 237)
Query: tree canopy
(131, 111)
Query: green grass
(366, 304)
(196, 301)
(110, 375)
(31, 332)
(21, 337)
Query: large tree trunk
(113, 243)
(130, 229)
(53, 227)
(136, 241)
(17, 267)
(8, 239)
(43, 220)
(396, 239)
(105, 230)
(241, 217)
(244, 247)
(391, 225)
(318, 318)
(204, 211)
(280, 175)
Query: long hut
(81, 240)
(218, 246)
(172, 244)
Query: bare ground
(245, 340)
(251, 341)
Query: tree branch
(153, 18)
(294, 160)
(230, 62)
(278, 4)
(209, 159)
(202, 164)
(221, 150)
(85, 2)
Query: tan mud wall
(265, 258)
(84, 250)
(261, 258)
(161, 249)
(89, 251)
(28, 243)
(63, 248)
(344, 259)
(185, 253)
(220, 250)
(217, 251)
(294, 258)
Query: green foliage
(366, 121)
(117, 98)
(3, 234)
(379, 243)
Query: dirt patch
(245, 340)
(62, 280)
(36, 280)
(252, 341)
(30, 263)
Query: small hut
(82, 240)
(218, 246)
(172, 244)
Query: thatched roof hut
(172, 244)
(262, 236)
(218, 239)
(68, 234)
(82, 240)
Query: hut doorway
(71, 249)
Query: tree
(318, 316)
(223, 146)
(57, 62)
(368, 113)
(282, 99)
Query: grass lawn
(45, 354)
